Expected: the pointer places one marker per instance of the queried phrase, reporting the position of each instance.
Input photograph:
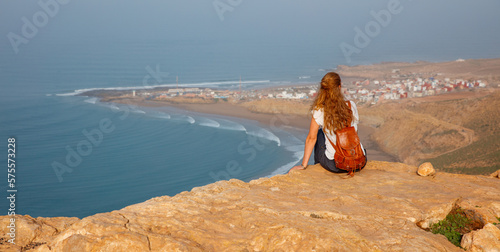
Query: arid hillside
(458, 132)
(485, 69)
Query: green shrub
(453, 226)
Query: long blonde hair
(337, 114)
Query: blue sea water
(77, 156)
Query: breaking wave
(298, 153)
(265, 134)
(91, 100)
(230, 125)
(202, 121)
(199, 84)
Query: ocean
(77, 156)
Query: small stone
(426, 169)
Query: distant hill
(458, 132)
(484, 69)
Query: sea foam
(138, 111)
(230, 125)
(113, 107)
(265, 134)
(298, 153)
(91, 100)
(183, 118)
(202, 121)
(200, 84)
(161, 115)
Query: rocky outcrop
(486, 239)
(385, 207)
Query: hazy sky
(323, 21)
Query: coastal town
(374, 91)
(364, 92)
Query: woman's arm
(310, 142)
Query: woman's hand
(309, 146)
(298, 167)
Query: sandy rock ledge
(383, 208)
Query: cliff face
(382, 208)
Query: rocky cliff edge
(385, 207)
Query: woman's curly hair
(337, 113)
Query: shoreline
(292, 115)
(287, 122)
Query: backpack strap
(334, 145)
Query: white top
(319, 116)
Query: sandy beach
(282, 121)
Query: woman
(330, 112)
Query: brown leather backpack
(349, 155)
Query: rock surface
(496, 174)
(426, 169)
(382, 208)
(486, 239)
